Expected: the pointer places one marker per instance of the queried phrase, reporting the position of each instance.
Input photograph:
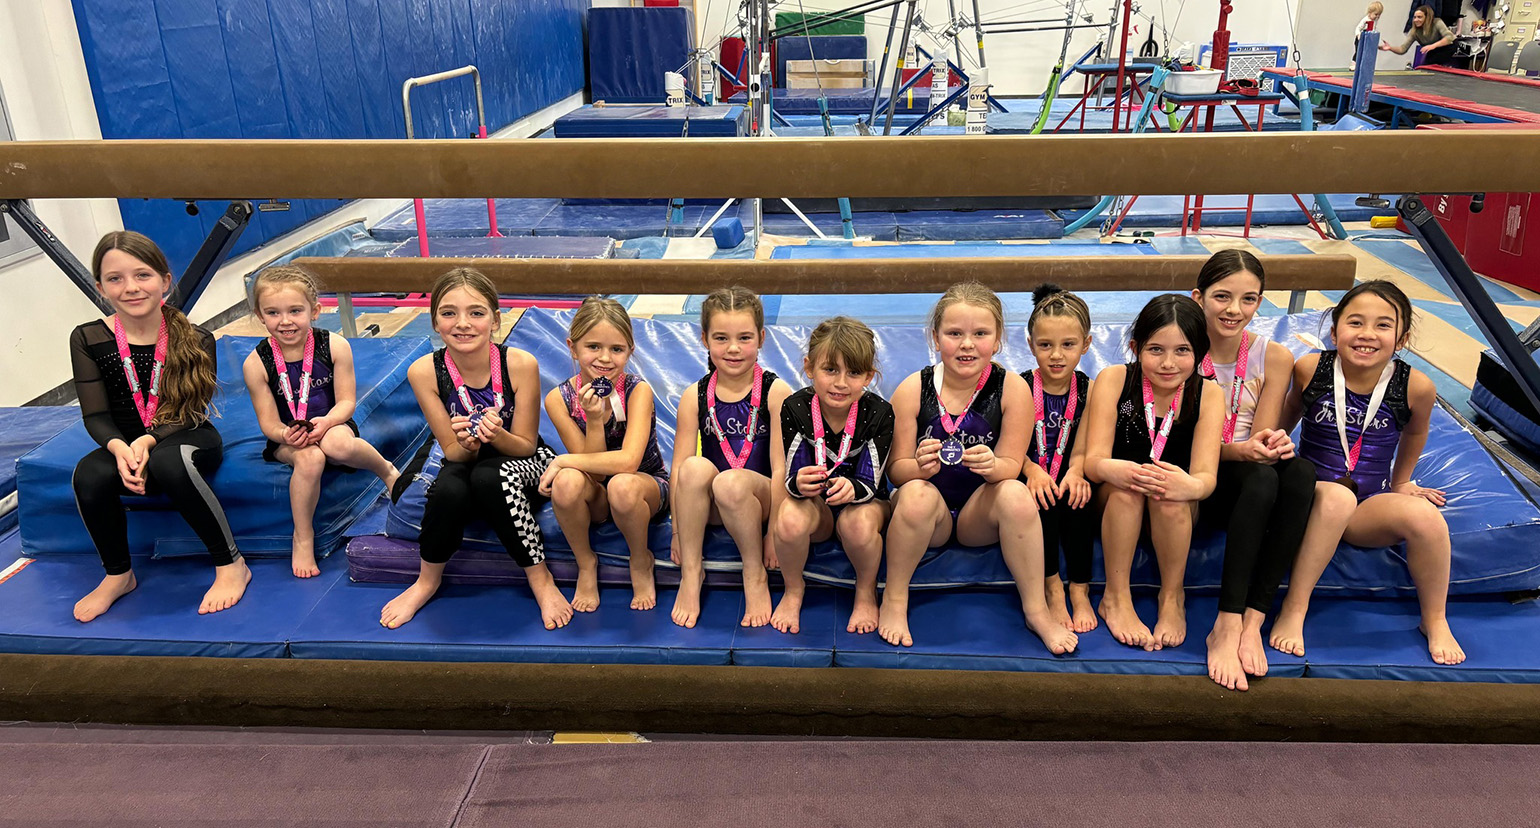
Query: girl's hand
(1125, 474)
(1256, 450)
(593, 404)
(318, 428)
(979, 459)
(465, 436)
(1278, 440)
(141, 451)
(490, 427)
(1076, 490)
(928, 455)
(127, 471)
(839, 492)
(1175, 484)
(296, 435)
(811, 480)
(549, 475)
(1433, 496)
(1042, 487)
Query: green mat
(853, 26)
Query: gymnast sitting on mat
(960, 437)
(1264, 490)
(1151, 466)
(145, 377)
(835, 437)
(723, 461)
(612, 467)
(479, 400)
(301, 385)
(1059, 331)
(1369, 499)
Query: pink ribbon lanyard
(465, 394)
(1339, 396)
(1237, 384)
(299, 407)
(820, 450)
(740, 458)
(1042, 429)
(950, 424)
(1158, 441)
(146, 408)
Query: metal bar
(481, 120)
(22, 214)
(978, 34)
(903, 49)
(1319, 271)
(855, 167)
(934, 111)
(1054, 28)
(817, 21)
(882, 71)
(1472, 295)
(212, 254)
(345, 312)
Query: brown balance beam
(1393, 161)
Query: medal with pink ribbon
(738, 459)
(473, 411)
(298, 404)
(144, 403)
(952, 448)
(1237, 384)
(1040, 426)
(1158, 441)
(820, 450)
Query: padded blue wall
(313, 69)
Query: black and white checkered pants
(495, 488)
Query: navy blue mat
(1360, 639)
(22, 430)
(972, 225)
(629, 49)
(651, 122)
(253, 492)
(510, 247)
(875, 226)
(619, 221)
(845, 101)
(448, 217)
(934, 251)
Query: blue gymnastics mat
(1495, 527)
(845, 101)
(1229, 210)
(22, 430)
(629, 49)
(619, 221)
(253, 492)
(448, 217)
(509, 247)
(651, 122)
(1410, 259)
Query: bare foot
(1288, 634)
(304, 559)
(893, 621)
(555, 612)
(1056, 637)
(1053, 590)
(230, 583)
(1224, 663)
(644, 592)
(1252, 654)
(403, 607)
(1441, 644)
(756, 599)
(586, 598)
(1171, 620)
(1124, 623)
(1081, 613)
(863, 617)
(687, 601)
(788, 614)
(98, 600)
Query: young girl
(959, 439)
(835, 438)
(1263, 492)
(1154, 444)
(479, 400)
(301, 384)
(1364, 461)
(1059, 331)
(614, 469)
(145, 377)
(1367, 24)
(723, 462)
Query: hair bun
(1043, 291)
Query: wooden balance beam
(345, 276)
(852, 167)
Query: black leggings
(1265, 509)
(1074, 529)
(176, 468)
(495, 487)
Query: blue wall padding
(313, 69)
(820, 47)
(1495, 528)
(253, 492)
(652, 122)
(629, 49)
(728, 232)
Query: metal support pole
(21, 213)
(481, 132)
(212, 254)
(978, 34)
(903, 49)
(951, 23)
(882, 71)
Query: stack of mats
(1498, 397)
(21, 431)
(253, 492)
(653, 122)
(845, 101)
(1495, 528)
(467, 218)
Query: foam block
(728, 233)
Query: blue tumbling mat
(22, 430)
(1498, 397)
(629, 49)
(652, 122)
(450, 217)
(846, 102)
(619, 221)
(509, 247)
(1494, 527)
(1411, 260)
(253, 492)
(972, 225)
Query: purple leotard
(615, 433)
(1054, 406)
(734, 417)
(1319, 442)
(980, 426)
(323, 394)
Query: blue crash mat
(845, 101)
(1494, 527)
(450, 217)
(1498, 397)
(1166, 210)
(22, 430)
(823, 612)
(503, 624)
(1359, 639)
(816, 47)
(969, 225)
(875, 226)
(629, 49)
(619, 221)
(509, 247)
(652, 122)
(253, 492)
(160, 617)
